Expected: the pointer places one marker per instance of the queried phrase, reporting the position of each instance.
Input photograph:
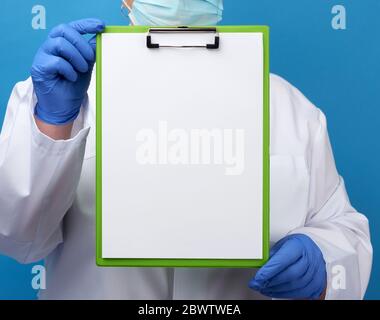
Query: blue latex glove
(296, 270)
(61, 70)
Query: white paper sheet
(192, 210)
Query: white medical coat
(47, 207)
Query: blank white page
(178, 206)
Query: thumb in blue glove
(296, 270)
(61, 71)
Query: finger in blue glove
(62, 70)
(296, 270)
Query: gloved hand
(61, 71)
(296, 270)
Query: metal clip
(211, 46)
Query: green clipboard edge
(192, 263)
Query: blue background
(337, 70)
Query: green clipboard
(196, 263)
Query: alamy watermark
(39, 17)
(338, 277)
(339, 21)
(39, 279)
(164, 146)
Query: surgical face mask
(176, 12)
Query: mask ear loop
(125, 5)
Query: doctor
(47, 186)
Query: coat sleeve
(38, 180)
(337, 228)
